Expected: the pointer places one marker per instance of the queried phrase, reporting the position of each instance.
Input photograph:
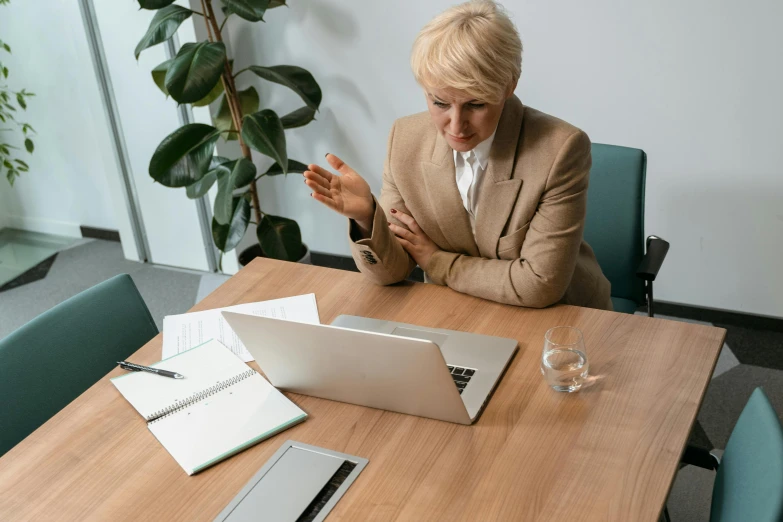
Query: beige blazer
(528, 248)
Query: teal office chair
(749, 480)
(614, 226)
(51, 360)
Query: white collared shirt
(470, 167)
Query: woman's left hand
(413, 239)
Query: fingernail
(325, 155)
(393, 211)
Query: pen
(125, 365)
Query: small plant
(10, 103)
(202, 73)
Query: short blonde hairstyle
(472, 47)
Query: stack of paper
(183, 332)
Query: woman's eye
(440, 104)
(476, 105)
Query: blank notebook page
(238, 417)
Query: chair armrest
(700, 457)
(653, 258)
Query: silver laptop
(428, 372)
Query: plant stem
(209, 28)
(233, 103)
(241, 71)
(224, 23)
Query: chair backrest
(614, 227)
(51, 360)
(749, 482)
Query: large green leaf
(202, 186)
(154, 4)
(159, 75)
(293, 166)
(252, 10)
(280, 238)
(263, 132)
(248, 100)
(216, 91)
(195, 70)
(183, 157)
(227, 237)
(298, 118)
(163, 26)
(242, 172)
(295, 78)
(275, 3)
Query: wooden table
(607, 453)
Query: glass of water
(563, 361)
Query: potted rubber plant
(202, 73)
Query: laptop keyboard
(461, 376)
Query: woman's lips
(460, 140)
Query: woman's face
(462, 120)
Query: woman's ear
(511, 89)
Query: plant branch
(233, 103)
(209, 29)
(241, 71)
(224, 23)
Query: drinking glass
(564, 361)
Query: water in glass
(563, 361)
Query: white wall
(170, 218)
(697, 85)
(66, 186)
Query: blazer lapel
(498, 190)
(440, 182)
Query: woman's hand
(347, 194)
(413, 239)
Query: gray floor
(166, 291)
(751, 358)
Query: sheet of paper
(184, 331)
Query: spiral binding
(198, 396)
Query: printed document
(185, 331)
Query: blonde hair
(472, 47)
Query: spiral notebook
(220, 408)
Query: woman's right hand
(347, 194)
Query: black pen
(125, 365)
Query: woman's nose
(456, 124)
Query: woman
(486, 195)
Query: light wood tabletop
(606, 453)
